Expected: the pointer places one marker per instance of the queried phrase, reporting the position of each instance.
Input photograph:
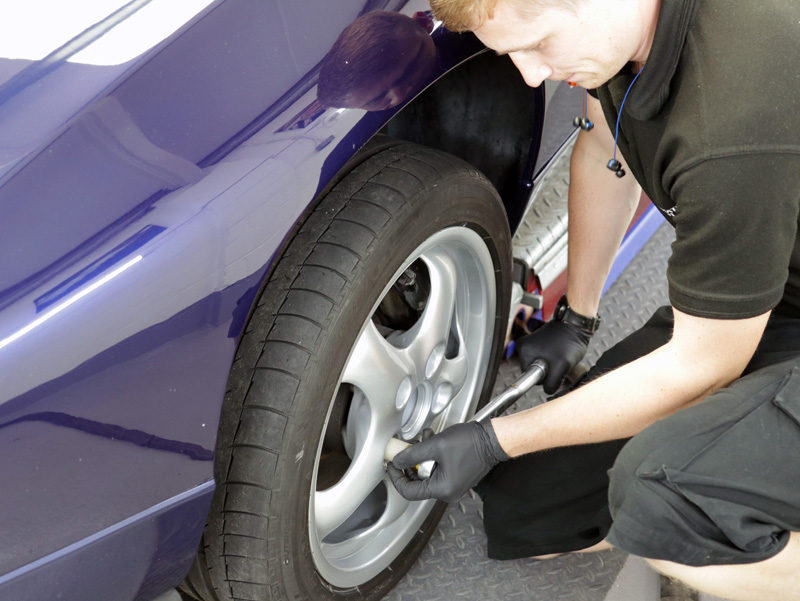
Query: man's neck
(650, 11)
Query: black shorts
(717, 483)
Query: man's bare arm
(702, 356)
(601, 206)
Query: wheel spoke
(378, 369)
(396, 507)
(334, 505)
(455, 371)
(433, 328)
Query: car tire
(385, 315)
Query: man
(697, 415)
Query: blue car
(244, 243)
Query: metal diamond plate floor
(455, 566)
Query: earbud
(614, 164)
(583, 123)
(616, 167)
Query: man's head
(584, 41)
(466, 15)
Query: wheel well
(485, 113)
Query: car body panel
(139, 218)
(136, 558)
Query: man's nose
(533, 70)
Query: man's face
(587, 47)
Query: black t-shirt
(711, 130)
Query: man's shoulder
(734, 91)
(742, 55)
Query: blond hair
(465, 15)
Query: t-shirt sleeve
(735, 224)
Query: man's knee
(693, 489)
(634, 494)
(650, 517)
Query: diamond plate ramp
(540, 242)
(454, 566)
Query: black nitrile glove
(464, 454)
(562, 345)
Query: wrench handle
(530, 378)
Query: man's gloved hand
(561, 344)
(464, 454)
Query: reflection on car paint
(116, 433)
(104, 263)
(378, 62)
(68, 302)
